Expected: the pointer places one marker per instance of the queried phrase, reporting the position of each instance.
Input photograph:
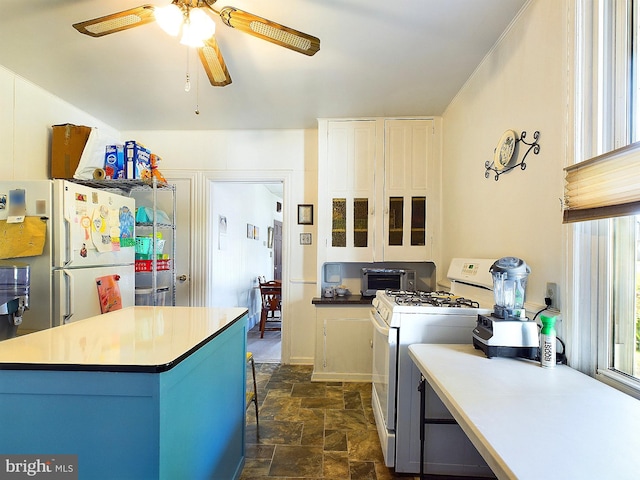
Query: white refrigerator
(88, 233)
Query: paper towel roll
(98, 174)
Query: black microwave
(374, 279)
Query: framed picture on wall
(305, 214)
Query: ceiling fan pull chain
(197, 112)
(187, 84)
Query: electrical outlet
(552, 293)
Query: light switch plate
(305, 239)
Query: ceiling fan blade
(116, 21)
(270, 31)
(213, 63)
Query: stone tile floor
(319, 430)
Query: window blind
(604, 186)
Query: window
(605, 273)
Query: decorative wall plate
(503, 156)
(504, 150)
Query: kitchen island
(530, 422)
(138, 393)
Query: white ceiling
(376, 58)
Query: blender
(14, 296)
(507, 332)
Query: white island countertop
(530, 422)
(134, 339)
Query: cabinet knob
(182, 278)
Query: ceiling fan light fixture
(190, 36)
(196, 25)
(201, 23)
(169, 19)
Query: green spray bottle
(548, 342)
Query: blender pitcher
(509, 284)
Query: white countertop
(131, 339)
(530, 422)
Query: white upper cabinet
(407, 152)
(378, 189)
(347, 187)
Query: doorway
(277, 250)
(249, 246)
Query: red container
(147, 265)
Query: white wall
(239, 260)
(521, 85)
(26, 115)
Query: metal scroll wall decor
(506, 150)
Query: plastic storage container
(144, 296)
(14, 281)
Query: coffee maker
(14, 296)
(507, 332)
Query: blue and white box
(114, 162)
(138, 160)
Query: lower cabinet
(344, 337)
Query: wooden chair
(271, 293)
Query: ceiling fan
(197, 27)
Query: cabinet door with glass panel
(351, 190)
(408, 145)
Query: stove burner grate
(436, 299)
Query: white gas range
(401, 319)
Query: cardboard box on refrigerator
(67, 144)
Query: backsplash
(348, 274)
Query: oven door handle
(378, 324)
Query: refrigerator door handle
(67, 242)
(70, 298)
